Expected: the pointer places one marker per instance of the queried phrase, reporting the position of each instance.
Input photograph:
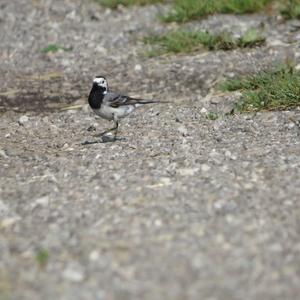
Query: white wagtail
(112, 106)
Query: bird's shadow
(103, 140)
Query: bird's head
(101, 82)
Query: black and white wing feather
(117, 100)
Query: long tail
(144, 101)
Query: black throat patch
(96, 96)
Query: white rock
(3, 208)
(138, 68)
(158, 223)
(73, 274)
(94, 255)
(183, 130)
(8, 222)
(23, 119)
(3, 154)
(216, 156)
(43, 201)
(54, 129)
(203, 110)
(229, 155)
(187, 171)
(205, 167)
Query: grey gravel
(183, 207)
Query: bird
(112, 106)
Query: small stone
(183, 130)
(7, 135)
(43, 202)
(203, 110)
(216, 156)
(187, 171)
(94, 255)
(158, 223)
(3, 208)
(73, 273)
(8, 222)
(248, 186)
(205, 167)
(229, 155)
(138, 68)
(23, 119)
(218, 205)
(3, 153)
(54, 129)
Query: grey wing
(116, 100)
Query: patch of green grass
(291, 9)
(189, 41)
(42, 257)
(212, 116)
(52, 48)
(251, 38)
(187, 10)
(115, 3)
(277, 89)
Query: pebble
(8, 222)
(216, 156)
(3, 208)
(54, 129)
(138, 68)
(3, 153)
(229, 155)
(183, 130)
(205, 167)
(73, 273)
(42, 202)
(187, 171)
(94, 255)
(158, 223)
(23, 119)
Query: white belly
(111, 113)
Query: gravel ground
(183, 207)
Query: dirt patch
(41, 93)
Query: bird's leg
(116, 132)
(108, 130)
(116, 128)
(107, 138)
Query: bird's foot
(106, 138)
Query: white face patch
(101, 82)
